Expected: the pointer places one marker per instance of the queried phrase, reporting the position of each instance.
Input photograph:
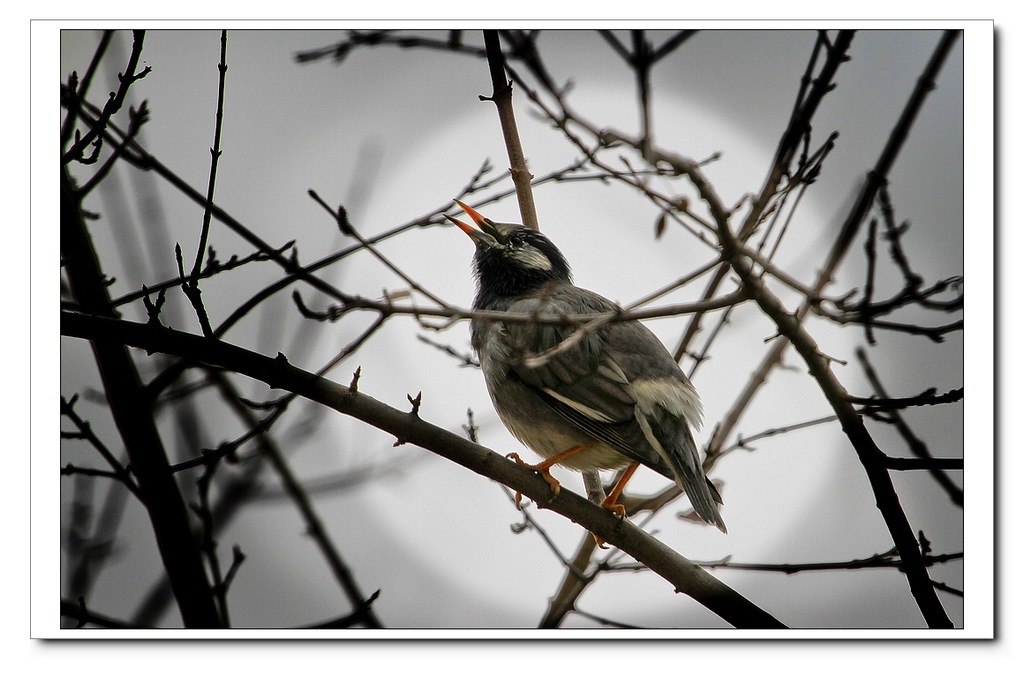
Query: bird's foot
(541, 468)
(615, 507)
(611, 502)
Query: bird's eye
(515, 240)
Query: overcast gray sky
(393, 134)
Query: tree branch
(277, 373)
(134, 419)
(502, 98)
(871, 457)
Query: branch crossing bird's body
(615, 394)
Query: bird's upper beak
(485, 235)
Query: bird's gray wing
(619, 384)
(667, 406)
(577, 376)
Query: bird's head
(511, 260)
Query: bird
(606, 397)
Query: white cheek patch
(671, 395)
(531, 258)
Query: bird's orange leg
(611, 502)
(543, 468)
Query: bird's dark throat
(499, 278)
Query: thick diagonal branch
(409, 428)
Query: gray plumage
(615, 391)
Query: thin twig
(215, 154)
(118, 470)
(917, 446)
(190, 285)
(341, 215)
(114, 102)
(888, 560)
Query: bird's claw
(541, 469)
(617, 509)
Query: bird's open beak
(480, 237)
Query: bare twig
(215, 154)
(134, 419)
(190, 285)
(114, 102)
(502, 98)
(867, 451)
(314, 525)
(888, 560)
(118, 471)
(917, 446)
(346, 227)
(78, 89)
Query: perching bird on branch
(589, 399)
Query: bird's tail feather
(680, 453)
(704, 498)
